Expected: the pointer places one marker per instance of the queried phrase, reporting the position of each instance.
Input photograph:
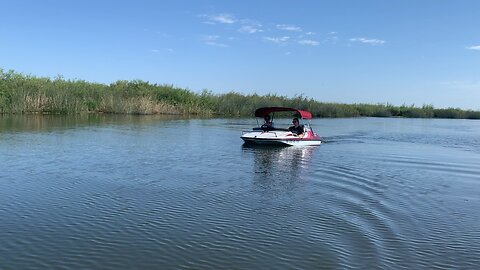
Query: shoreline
(27, 94)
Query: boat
(270, 135)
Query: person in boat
(296, 129)
(267, 124)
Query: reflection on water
(38, 122)
(279, 169)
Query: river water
(151, 192)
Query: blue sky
(396, 51)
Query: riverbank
(24, 94)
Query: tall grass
(21, 93)
(28, 94)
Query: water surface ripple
(145, 192)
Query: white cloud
(210, 38)
(288, 53)
(477, 47)
(368, 41)
(162, 50)
(219, 18)
(247, 26)
(309, 42)
(213, 41)
(278, 40)
(288, 27)
(216, 44)
(250, 29)
(332, 38)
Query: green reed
(21, 93)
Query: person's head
(267, 118)
(295, 121)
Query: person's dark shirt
(296, 130)
(267, 126)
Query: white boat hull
(286, 138)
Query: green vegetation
(21, 93)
